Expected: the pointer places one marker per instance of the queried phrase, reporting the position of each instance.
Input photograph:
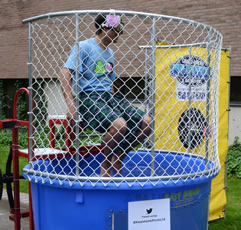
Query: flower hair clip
(114, 22)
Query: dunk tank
(166, 66)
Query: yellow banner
(172, 102)
(175, 101)
(218, 194)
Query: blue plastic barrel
(92, 206)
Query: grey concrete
(5, 223)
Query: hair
(99, 20)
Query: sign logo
(149, 214)
(191, 70)
(149, 211)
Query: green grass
(4, 152)
(233, 208)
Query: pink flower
(112, 21)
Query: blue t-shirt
(96, 67)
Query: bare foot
(105, 173)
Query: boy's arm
(65, 77)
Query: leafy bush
(6, 137)
(41, 137)
(234, 159)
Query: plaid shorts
(100, 109)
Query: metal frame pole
(146, 107)
(229, 82)
(30, 88)
(207, 106)
(189, 100)
(152, 92)
(77, 92)
(31, 127)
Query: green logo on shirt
(100, 68)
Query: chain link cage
(167, 67)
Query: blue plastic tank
(68, 204)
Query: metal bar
(77, 92)
(126, 13)
(146, 83)
(216, 106)
(30, 88)
(152, 92)
(146, 107)
(225, 174)
(207, 108)
(189, 101)
(173, 177)
(127, 179)
(202, 44)
(15, 148)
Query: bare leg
(112, 138)
(145, 131)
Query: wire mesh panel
(86, 131)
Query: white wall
(234, 124)
(56, 101)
